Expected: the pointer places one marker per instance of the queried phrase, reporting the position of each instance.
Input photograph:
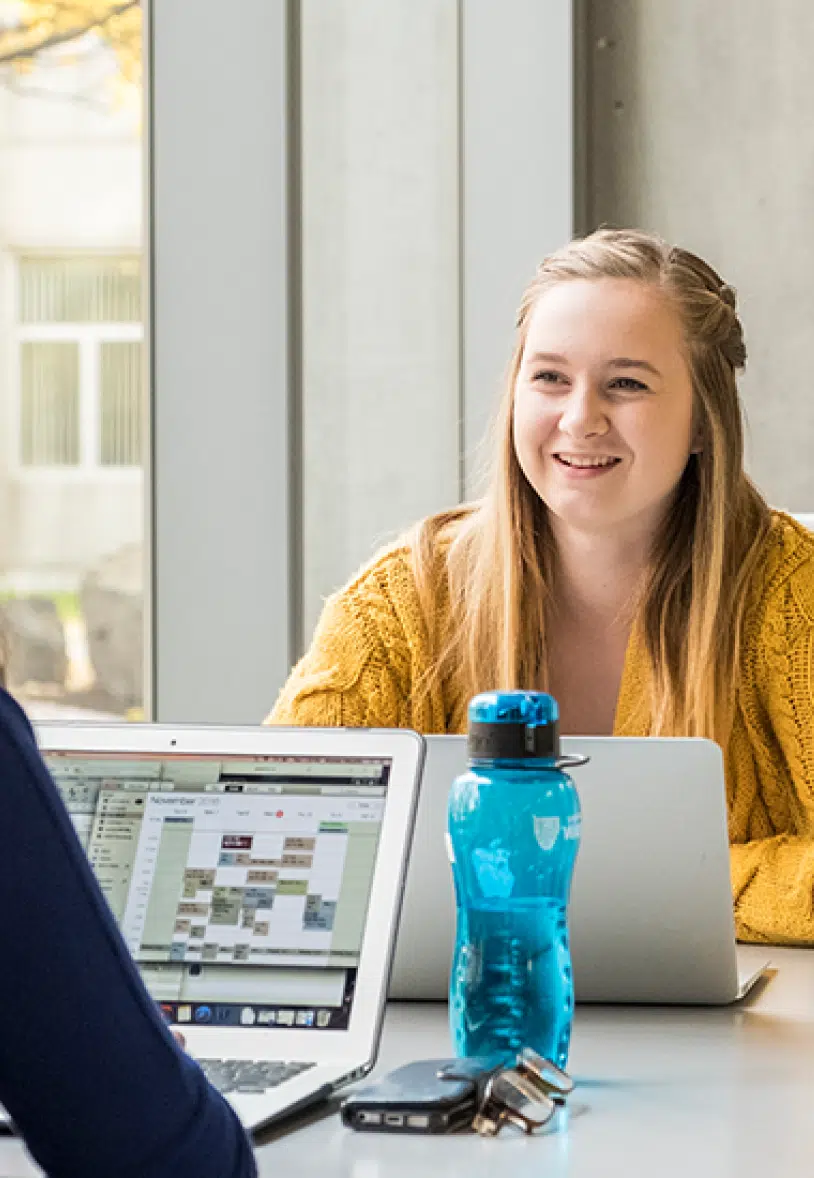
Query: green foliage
(67, 602)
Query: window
(72, 486)
(80, 361)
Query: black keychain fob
(417, 1098)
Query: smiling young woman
(620, 558)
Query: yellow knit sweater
(372, 645)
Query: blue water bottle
(514, 826)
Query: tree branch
(49, 42)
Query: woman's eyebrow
(617, 362)
(546, 358)
(627, 362)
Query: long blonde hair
(500, 560)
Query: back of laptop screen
(241, 884)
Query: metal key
(553, 1080)
(526, 1095)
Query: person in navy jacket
(91, 1076)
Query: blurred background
(258, 271)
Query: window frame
(219, 179)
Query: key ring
(526, 1095)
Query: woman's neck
(597, 577)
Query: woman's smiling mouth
(586, 465)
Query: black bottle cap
(503, 741)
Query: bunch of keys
(526, 1095)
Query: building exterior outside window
(80, 362)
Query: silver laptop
(651, 905)
(256, 875)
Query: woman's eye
(628, 384)
(546, 377)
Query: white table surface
(661, 1092)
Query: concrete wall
(699, 123)
(380, 277)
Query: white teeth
(581, 460)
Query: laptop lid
(651, 906)
(255, 873)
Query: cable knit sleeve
(369, 650)
(773, 877)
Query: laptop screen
(241, 885)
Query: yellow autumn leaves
(29, 28)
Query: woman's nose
(583, 415)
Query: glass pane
(49, 411)
(80, 290)
(71, 481)
(121, 406)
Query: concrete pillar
(380, 277)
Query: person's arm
(90, 1074)
(773, 878)
(369, 650)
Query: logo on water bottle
(491, 866)
(546, 831)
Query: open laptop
(650, 916)
(256, 875)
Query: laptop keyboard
(249, 1075)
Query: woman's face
(603, 411)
